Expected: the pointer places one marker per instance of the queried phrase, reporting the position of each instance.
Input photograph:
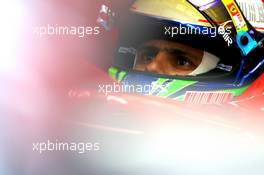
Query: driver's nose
(158, 64)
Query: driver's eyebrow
(174, 51)
(179, 52)
(148, 47)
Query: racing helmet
(194, 51)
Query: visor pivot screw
(244, 40)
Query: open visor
(159, 46)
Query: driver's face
(166, 57)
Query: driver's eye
(183, 61)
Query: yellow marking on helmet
(177, 10)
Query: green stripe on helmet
(173, 87)
(238, 91)
(115, 74)
(170, 88)
(121, 76)
(157, 84)
(112, 72)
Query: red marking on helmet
(261, 28)
(206, 21)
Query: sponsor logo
(233, 9)
(236, 15)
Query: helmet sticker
(196, 97)
(225, 67)
(236, 15)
